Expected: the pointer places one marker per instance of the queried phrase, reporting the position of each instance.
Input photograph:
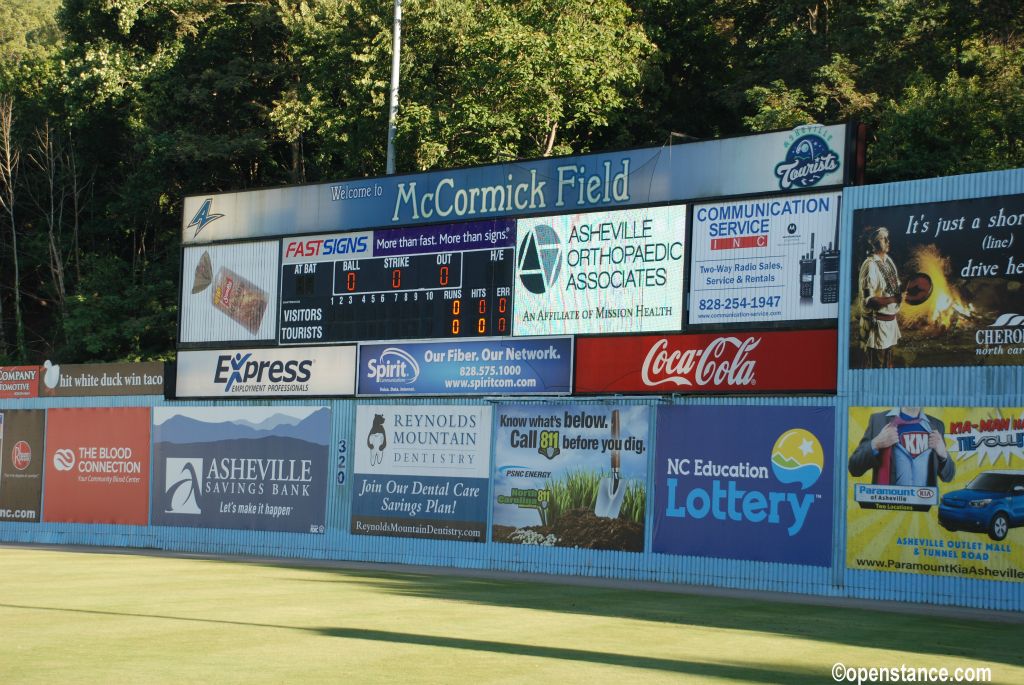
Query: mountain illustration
(182, 429)
(785, 462)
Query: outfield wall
(736, 553)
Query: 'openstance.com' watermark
(909, 674)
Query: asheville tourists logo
(394, 365)
(540, 259)
(798, 458)
(21, 455)
(184, 482)
(203, 217)
(808, 160)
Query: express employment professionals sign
(810, 156)
(267, 372)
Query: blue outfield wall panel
(951, 387)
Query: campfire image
(946, 309)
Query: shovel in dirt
(612, 490)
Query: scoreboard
(447, 281)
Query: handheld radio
(829, 259)
(808, 268)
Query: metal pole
(396, 52)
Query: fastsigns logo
(394, 365)
(184, 482)
(64, 460)
(808, 160)
(540, 259)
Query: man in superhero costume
(903, 446)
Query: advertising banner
(602, 272)
(267, 372)
(535, 366)
(938, 284)
(739, 482)
(94, 380)
(766, 259)
(250, 468)
(936, 490)
(422, 472)
(811, 156)
(797, 361)
(445, 281)
(229, 293)
(571, 476)
(19, 382)
(97, 466)
(21, 464)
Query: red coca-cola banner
(786, 361)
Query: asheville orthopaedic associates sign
(751, 483)
(254, 468)
(422, 471)
(810, 156)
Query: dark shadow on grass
(909, 633)
(737, 672)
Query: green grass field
(70, 617)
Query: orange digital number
(443, 278)
(456, 307)
(396, 278)
(350, 281)
(481, 325)
(455, 326)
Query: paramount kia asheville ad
(473, 367)
(97, 466)
(939, 284)
(571, 476)
(740, 482)
(602, 272)
(422, 471)
(766, 259)
(252, 468)
(21, 464)
(936, 490)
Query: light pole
(396, 51)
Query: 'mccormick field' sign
(602, 272)
(253, 468)
(770, 361)
(767, 259)
(751, 483)
(422, 472)
(811, 156)
(500, 366)
(267, 372)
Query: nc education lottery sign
(267, 372)
(422, 472)
(535, 366)
(971, 253)
(811, 156)
(97, 466)
(766, 259)
(751, 483)
(602, 272)
(772, 361)
(936, 490)
(21, 464)
(571, 476)
(252, 468)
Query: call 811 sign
(444, 281)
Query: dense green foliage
(120, 108)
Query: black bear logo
(377, 440)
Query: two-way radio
(808, 268)
(829, 259)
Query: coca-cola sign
(772, 361)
